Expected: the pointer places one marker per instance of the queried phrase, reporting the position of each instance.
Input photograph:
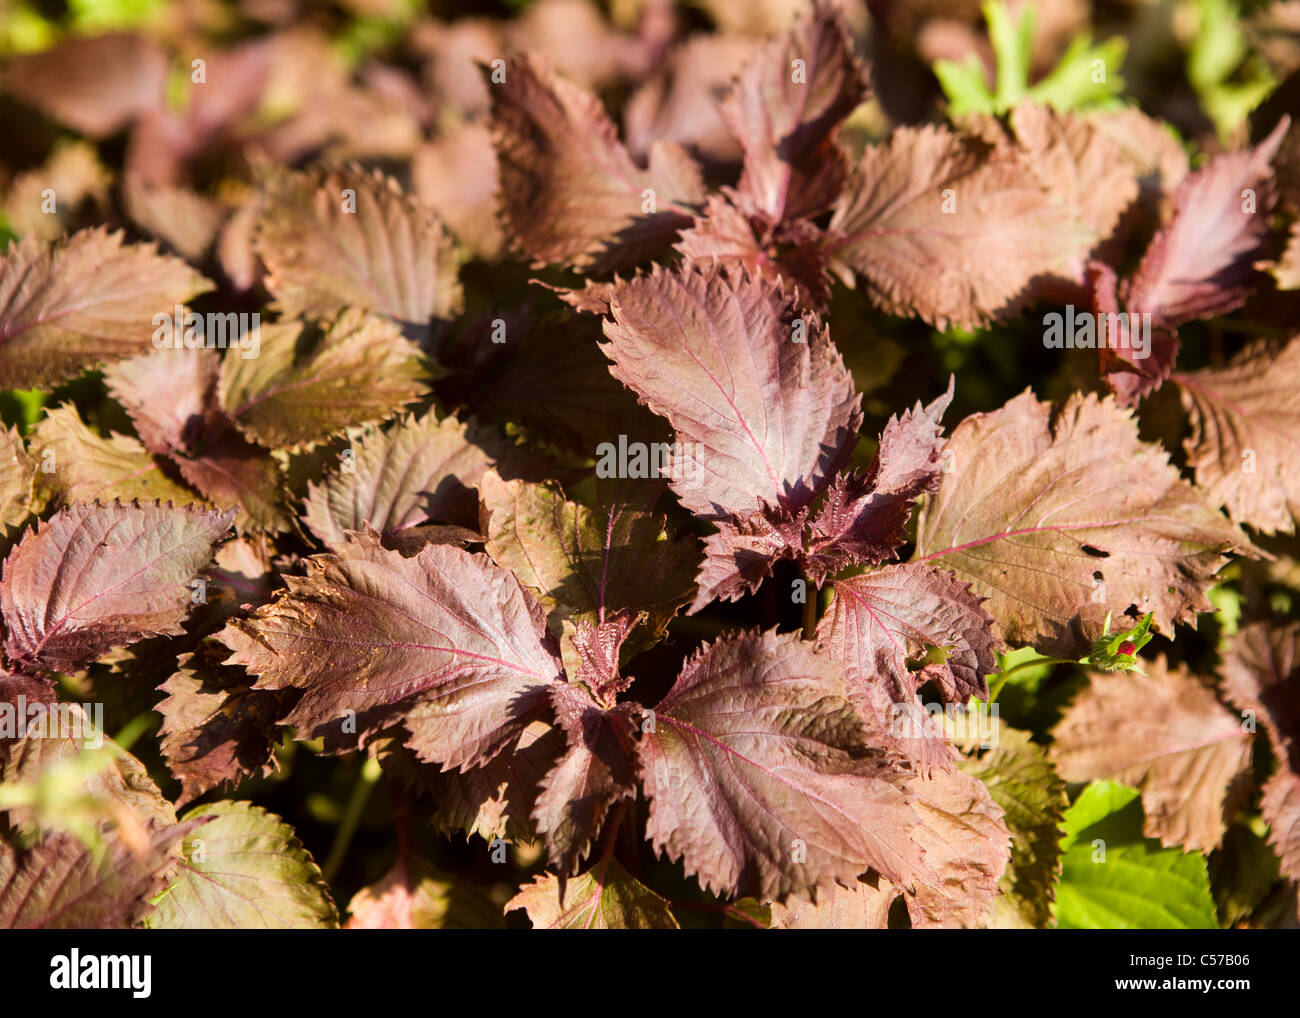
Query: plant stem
(1251, 328)
(691, 625)
(134, 728)
(1037, 662)
(725, 909)
(401, 822)
(611, 833)
(370, 771)
(810, 593)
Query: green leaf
(1228, 603)
(1086, 76)
(1228, 78)
(24, 30)
(1013, 44)
(1113, 878)
(94, 16)
(1243, 870)
(1218, 46)
(1021, 670)
(965, 87)
(1104, 809)
(1023, 782)
(1079, 81)
(21, 407)
(245, 869)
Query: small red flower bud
(1127, 647)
